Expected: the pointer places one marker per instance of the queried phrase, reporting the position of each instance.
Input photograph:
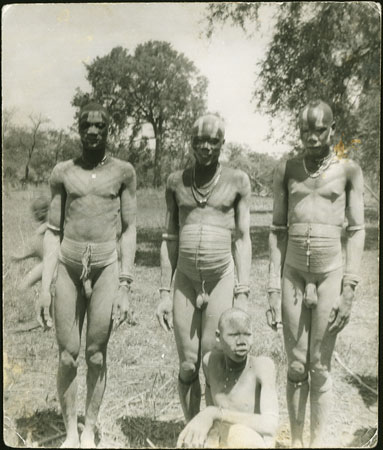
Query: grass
(141, 406)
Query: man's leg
(220, 299)
(69, 311)
(99, 325)
(225, 435)
(296, 325)
(321, 349)
(187, 331)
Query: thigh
(241, 436)
(220, 299)
(322, 342)
(99, 313)
(68, 309)
(186, 319)
(296, 318)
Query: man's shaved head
(209, 125)
(233, 316)
(316, 113)
(94, 107)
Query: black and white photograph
(190, 211)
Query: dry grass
(141, 406)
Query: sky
(45, 46)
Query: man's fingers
(270, 317)
(169, 320)
(333, 315)
(47, 317)
(161, 320)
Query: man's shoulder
(177, 177)
(60, 168)
(263, 366)
(124, 165)
(350, 166)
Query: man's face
(317, 129)
(207, 140)
(236, 338)
(93, 129)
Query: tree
(155, 85)
(320, 50)
(258, 166)
(32, 140)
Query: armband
(355, 228)
(164, 289)
(126, 277)
(241, 289)
(53, 227)
(350, 279)
(278, 227)
(169, 237)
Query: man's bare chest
(329, 185)
(101, 182)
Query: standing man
(313, 195)
(88, 196)
(206, 205)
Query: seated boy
(241, 398)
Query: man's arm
(277, 244)
(51, 246)
(355, 235)
(242, 242)
(127, 245)
(168, 257)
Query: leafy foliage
(155, 85)
(320, 50)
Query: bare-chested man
(206, 204)
(88, 196)
(313, 195)
(241, 397)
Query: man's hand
(274, 314)
(121, 308)
(340, 315)
(43, 314)
(195, 433)
(242, 301)
(164, 311)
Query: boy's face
(236, 338)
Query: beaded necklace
(202, 197)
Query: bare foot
(71, 442)
(87, 439)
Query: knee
(297, 371)
(240, 436)
(320, 378)
(188, 371)
(95, 358)
(68, 360)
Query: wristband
(241, 289)
(355, 228)
(125, 284)
(126, 277)
(271, 290)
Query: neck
(93, 157)
(235, 366)
(205, 173)
(318, 159)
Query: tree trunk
(157, 161)
(26, 176)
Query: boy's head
(235, 334)
(40, 208)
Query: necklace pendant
(202, 203)
(93, 175)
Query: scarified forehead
(209, 125)
(234, 317)
(94, 112)
(316, 113)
